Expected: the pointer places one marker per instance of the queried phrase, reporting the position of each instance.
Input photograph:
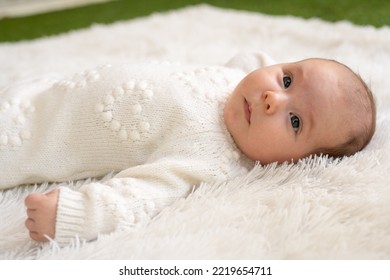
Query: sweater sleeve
(131, 198)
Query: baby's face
(285, 112)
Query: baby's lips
(247, 110)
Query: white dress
(158, 126)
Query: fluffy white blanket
(317, 209)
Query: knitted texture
(158, 125)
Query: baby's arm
(41, 214)
(133, 197)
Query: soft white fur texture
(316, 209)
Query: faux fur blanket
(316, 209)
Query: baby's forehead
(324, 81)
(325, 64)
(345, 89)
(327, 71)
(318, 63)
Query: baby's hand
(41, 214)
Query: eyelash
(287, 80)
(294, 119)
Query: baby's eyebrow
(311, 121)
(310, 113)
(309, 116)
(298, 69)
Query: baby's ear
(249, 62)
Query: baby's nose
(272, 101)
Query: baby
(164, 128)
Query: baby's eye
(295, 122)
(287, 81)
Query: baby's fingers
(33, 231)
(32, 201)
(30, 224)
(41, 215)
(36, 236)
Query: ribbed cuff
(70, 216)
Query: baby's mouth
(247, 110)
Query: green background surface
(361, 12)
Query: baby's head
(286, 112)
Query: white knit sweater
(159, 126)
